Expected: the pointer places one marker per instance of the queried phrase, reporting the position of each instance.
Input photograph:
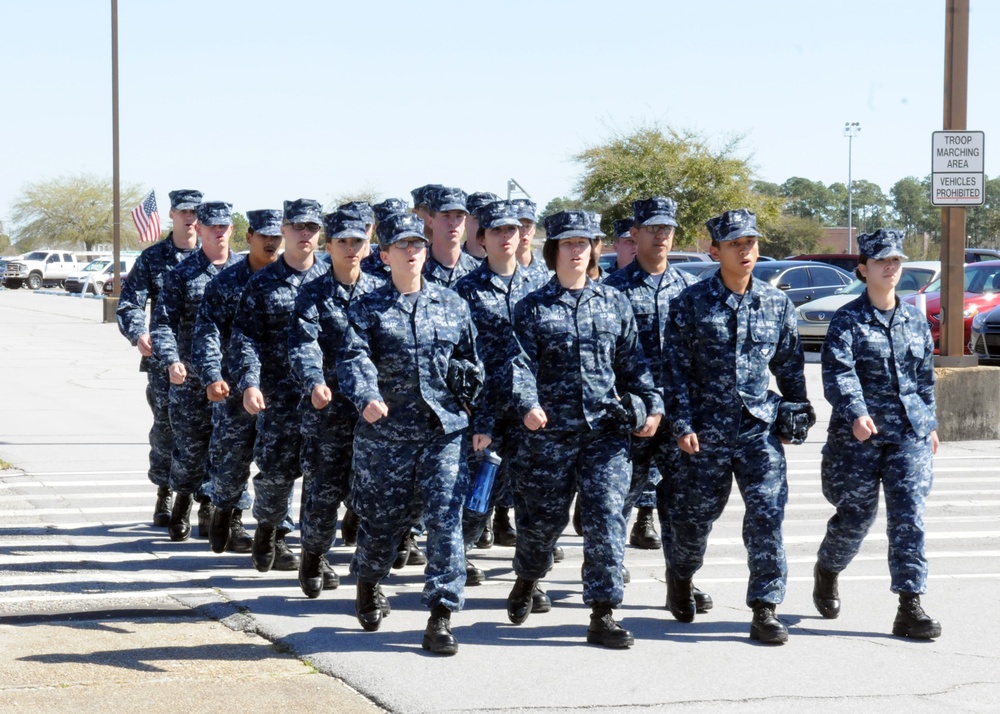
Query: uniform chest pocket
(874, 347)
(765, 334)
(916, 345)
(446, 336)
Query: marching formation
(398, 379)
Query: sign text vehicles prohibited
(957, 168)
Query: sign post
(957, 174)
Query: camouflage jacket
(577, 355)
(720, 349)
(143, 286)
(491, 300)
(258, 348)
(172, 325)
(436, 273)
(419, 358)
(650, 297)
(880, 366)
(214, 323)
(318, 328)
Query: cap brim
(185, 206)
(306, 218)
(528, 216)
(498, 222)
(742, 233)
(269, 231)
(889, 253)
(400, 236)
(452, 207)
(660, 220)
(625, 234)
(572, 233)
(348, 233)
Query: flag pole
(111, 304)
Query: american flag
(146, 219)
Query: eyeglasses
(657, 230)
(409, 243)
(311, 227)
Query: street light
(851, 129)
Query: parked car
(39, 268)
(97, 273)
(844, 261)
(984, 336)
(698, 268)
(814, 318)
(978, 255)
(982, 294)
(687, 256)
(801, 280)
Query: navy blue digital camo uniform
(172, 332)
(879, 364)
(419, 358)
(142, 287)
(314, 343)
(722, 347)
(258, 354)
(579, 352)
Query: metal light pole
(851, 129)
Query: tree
(808, 199)
(870, 205)
(791, 235)
(240, 226)
(72, 211)
(368, 194)
(563, 203)
(982, 223)
(766, 188)
(4, 240)
(911, 205)
(655, 161)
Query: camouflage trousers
(161, 437)
(230, 453)
(191, 421)
(644, 456)
(391, 476)
(276, 451)
(701, 488)
(326, 457)
(548, 469)
(852, 472)
(474, 523)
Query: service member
(446, 261)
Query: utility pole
(851, 129)
(111, 304)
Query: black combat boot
(558, 554)
(473, 575)
(437, 637)
(702, 601)
(205, 512)
(239, 540)
(366, 605)
(626, 576)
(263, 547)
(765, 627)
(503, 531)
(644, 533)
(179, 527)
(310, 577)
(164, 505)
(284, 558)
(680, 598)
(540, 601)
(402, 552)
(349, 528)
(519, 600)
(220, 530)
(605, 631)
(912, 621)
(382, 601)
(415, 556)
(331, 581)
(826, 598)
(485, 540)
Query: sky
(255, 102)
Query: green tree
(791, 235)
(766, 188)
(661, 161)
(238, 241)
(72, 212)
(870, 205)
(982, 223)
(4, 240)
(563, 203)
(368, 193)
(911, 206)
(808, 199)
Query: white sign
(957, 168)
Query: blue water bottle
(482, 486)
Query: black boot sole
(613, 643)
(777, 638)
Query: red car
(982, 294)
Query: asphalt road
(75, 535)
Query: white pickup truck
(39, 268)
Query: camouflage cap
(883, 243)
(388, 207)
(215, 213)
(422, 194)
(732, 225)
(526, 208)
(345, 223)
(655, 211)
(568, 224)
(595, 223)
(363, 208)
(479, 200)
(447, 198)
(498, 213)
(399, 226)
(304, 210)
(185, 199)
(266, 221)
(623, 227)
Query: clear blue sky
(257, 101)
